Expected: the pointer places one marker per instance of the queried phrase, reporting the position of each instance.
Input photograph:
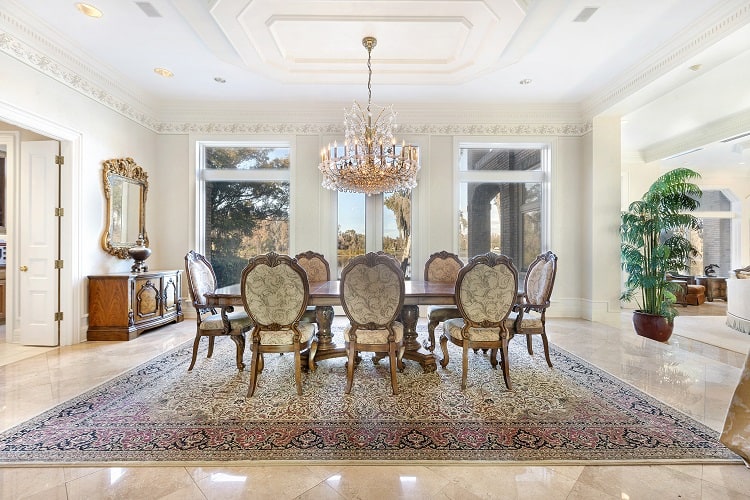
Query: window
(501, 200)
(244, 203)
(374, 223)
(714, 240)
(387, 215)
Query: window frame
(203, 175)
(541, 176)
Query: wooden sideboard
(124, 305)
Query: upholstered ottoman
(696, 295)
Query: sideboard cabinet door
(124, 305)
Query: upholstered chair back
(442, 267)
(540, 278)
(315, 265)
(486, 289)
(372, 290)
(200, 277)
(274, 290)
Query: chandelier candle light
(370, 163)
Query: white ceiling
(428, 51)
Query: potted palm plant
(654, 241)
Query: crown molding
(75, 81)
(729, 17)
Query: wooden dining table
(325, 294)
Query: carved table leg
(410, 316)
(326, 347)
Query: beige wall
(92, 133)
(584, 203)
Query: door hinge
(59, 264)
(59, 160)
(59, 316)
(59, 211)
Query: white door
(37, 248)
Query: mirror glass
(125, 187)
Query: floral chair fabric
(317, 268)
(201, 280)
(372, 294)
(442, 267)
(315, 265)
(275, 292)
(486, 291)
(529, 313)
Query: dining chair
(372, 294)
(317, 268)
(530, 310)
(275, 292)
(486, 291)
(202, 280)
(441, 267)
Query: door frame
(72, 330)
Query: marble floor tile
(695, 377)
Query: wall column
(604, 171)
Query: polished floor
(695, 372)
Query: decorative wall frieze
(45, 65)
(491, 129)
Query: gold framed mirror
(125, 187)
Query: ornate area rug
(160, 412)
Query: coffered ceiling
(599, 56)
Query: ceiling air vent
(585, 14)
(148, 9)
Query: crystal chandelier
(371, 162)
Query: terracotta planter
(652, 326)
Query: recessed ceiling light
(695, 67)
(219, 79)
(88, 10)
(163, 72)
(525, 81)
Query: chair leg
(253, 369)
(546, 349)
(528, 344)
(431, 333)
(464, 364)
(400, 358)
(298, 369)
(239, 340)
(195, 351)
(444, 348)
(211, 346)
(393, 362)
(506, 362)
(350, 368)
